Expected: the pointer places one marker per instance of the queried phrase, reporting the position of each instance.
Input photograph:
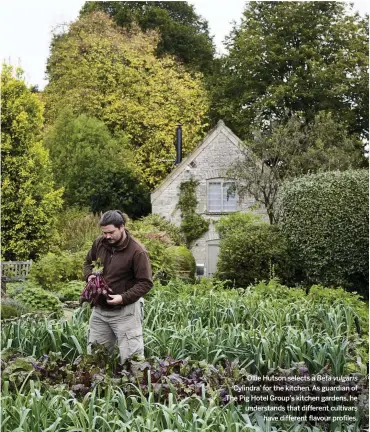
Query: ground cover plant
(200, 340)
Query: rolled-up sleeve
(143, 277)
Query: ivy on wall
(192, 225)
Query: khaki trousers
(123, 325)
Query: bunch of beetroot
(95, 288)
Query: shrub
(183, 260)
(158, 223)
(251, 251)
(12, 308)
(38, 299)
(54, 268)
(70, 291)
(14, 288)
(160, 238)
(236, 222)
(163, 263)
(324, 218)
(8, 311)
(78, 229)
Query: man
(127, 271)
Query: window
(220, 200)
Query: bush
(11, 308)
(163, 263)
(324, 218)
(54, 268)
(38, 300)
(160, 238)
(8, 311)
(70, 291)
(184, 261)
(78, 229)
(251, 250)
(14, 288)
(158, 223)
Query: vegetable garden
(201, 340)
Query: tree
(111, 74)
(290, 150)
(295, 58)
(184, 34)
(95, 169)
(30, 202)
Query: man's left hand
(115, 299)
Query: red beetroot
(94, 289)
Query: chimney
(178, 144)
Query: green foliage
(192, 225)
(220, 338)
(325, 217)
(70, 291)
(330, 296)
(14, 288)
(163, 264)
(54, 268)
(184, 261)
(105, 72)
(184, 34)
(39, 300)
(295, 57)
(164, 243)
(77, 229)
(284, 151)
(251, 251)
(95, 169)
(30, 202)
(11, 308)
(158, 224)
(237, 221)
(268, 323)
(8, 311)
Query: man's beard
(117, 241)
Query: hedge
(325, 219)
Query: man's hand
(115, 299)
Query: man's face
(113, 234)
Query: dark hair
(113, 217)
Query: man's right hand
(92, 276)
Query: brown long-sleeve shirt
(127, 268)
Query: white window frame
(220, 181)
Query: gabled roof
(220, 127)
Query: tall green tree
(112, 74)
(286, 151)
(30, 203)
(95, 169)
(295, 57)
(184, 34)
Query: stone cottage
(207, 164)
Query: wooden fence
(15, 270)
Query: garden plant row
(201, 341)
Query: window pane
(229, 198)
(214, 196)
